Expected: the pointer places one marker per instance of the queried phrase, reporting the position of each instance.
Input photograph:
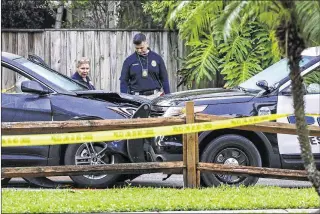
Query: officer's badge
(154, 63)
(144, 73)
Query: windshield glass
(59, 80)
(273, 74)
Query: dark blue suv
(31, 91)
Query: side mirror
(263, 84)
(34, 87)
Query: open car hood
(113, 97)
(203, 96)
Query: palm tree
(290, 39)
(296, 24)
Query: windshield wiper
(241, 89)
(38, 60)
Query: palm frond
(202, 62)
(231, 13)
(246, 53)
(308, 13)
(313, 77)
(237, 73)
(175, 11)
(271, 13)
(237, 49)
(199, 19)
(176, 14)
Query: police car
(268, 92)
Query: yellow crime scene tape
(8, 89)
(101, 136)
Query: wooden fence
(106, 49)
(190, 166)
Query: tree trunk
(59, 15)
(290, 41)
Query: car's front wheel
(230, 150)
(92, 154)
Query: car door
(17, 106)
(289, 147)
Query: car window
(59, 80)
(273, 74)
(11, 81)
(312, 82)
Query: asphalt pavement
(175, 181)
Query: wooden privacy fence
(106, 48)
(190, 166)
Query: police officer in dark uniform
(144, 72)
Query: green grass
(156, 199)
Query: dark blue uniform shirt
(76, 76)
(133, 80)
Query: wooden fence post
(191, 176)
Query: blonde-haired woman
(82, 73)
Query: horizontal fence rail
(123, 168)
(140, 168)
(261, 172)
(12, 128)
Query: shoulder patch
(154, 63)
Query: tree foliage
(29, 14)
(240, 38)
(110, 14)
(308, 13)
(90, 14)
(131, 16)
(101, 14)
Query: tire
(92, 181)
(43, 182)
(230, 149)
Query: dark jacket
(131, 78)
(77, 77)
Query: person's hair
(139, 38)
(83, 60)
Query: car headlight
(125, 111)
(181, 110)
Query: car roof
(313, 51)
(12, 59)
(10, 56)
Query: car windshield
(57, 79)
(273, 74)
